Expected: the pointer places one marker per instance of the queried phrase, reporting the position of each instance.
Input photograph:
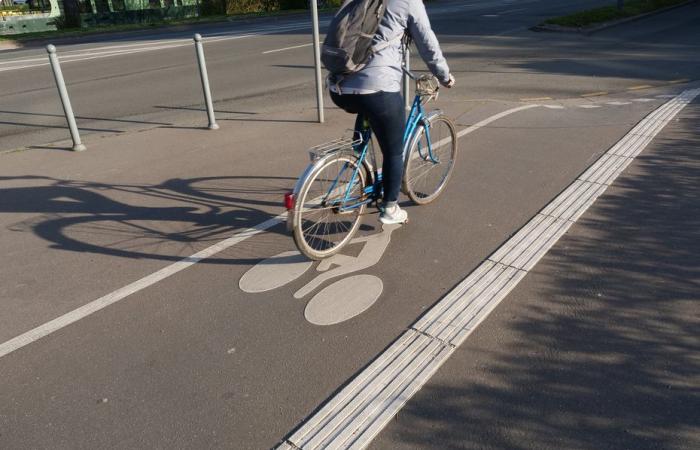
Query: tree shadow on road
(598, 347)
(130, 221)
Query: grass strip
(596, 16)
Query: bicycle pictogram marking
(339, 301)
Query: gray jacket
(383, 71)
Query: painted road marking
(641, 86)
(337, 302)
(536, 99)
(588, 106)
(493, 118)
(594, 94)
(286, 48)
(618, 103)
(642, 100)
(358, 412)
(681, 80)
(274, 272)
(120, 294)
(110, 51)
(344, 300)
(553, 106)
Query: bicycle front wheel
(430, 160)
(329, 207)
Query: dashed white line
(287, 48)
(588, 106)
(618, 103)
(118, 50)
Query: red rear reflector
(289, 200)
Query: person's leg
(386, 114)
(352, 104)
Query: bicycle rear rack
(345, 143)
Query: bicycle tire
(314, 192)
(418, 163)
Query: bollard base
(79, 148)
(213, 126)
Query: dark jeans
(386, 114)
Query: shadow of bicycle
(140, 221)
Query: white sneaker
(392, 213)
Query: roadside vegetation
(597, 16)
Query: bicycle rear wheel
(428, 169)
(325, 217)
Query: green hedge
(607, 13)
(258, 6)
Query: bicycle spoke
(429, 167)
(332, 212)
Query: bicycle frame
(373, 191)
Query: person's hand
(450, 83)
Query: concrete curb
(603, 26)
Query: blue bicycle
(325, 208)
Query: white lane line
(164, 42)
(493, 118)
(588, 106)
(109, 299)
(353, 417)
(286, 48)
(618, 103)
(553, 106)
(90, 54)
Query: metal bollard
(205, 81)
(406, 81)
(317, 61)
(65, 101)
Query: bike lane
(597, 346)
(196, 361)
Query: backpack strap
(383, 45)
(335, 80)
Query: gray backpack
(348, 43)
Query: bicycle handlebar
(427, 86)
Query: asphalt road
(152, 80)
(193, 361)
(597, 347)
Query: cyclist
(374, 92)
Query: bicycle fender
(297, 187)
(432, 115)
(307, 173)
